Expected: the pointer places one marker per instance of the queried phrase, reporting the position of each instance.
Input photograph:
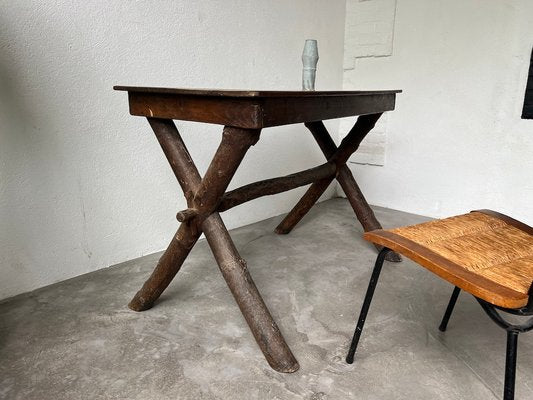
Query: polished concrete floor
(78, 340)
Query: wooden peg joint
(186, 215)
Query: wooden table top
(252, 93)
(255, 109)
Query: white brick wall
(372, 149)
(369, 29)
(369, 32)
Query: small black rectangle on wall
(527, 111)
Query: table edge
(233, 93)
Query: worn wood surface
(244, 113)
(338, 156)
(276, 185)
(246, 294)
(254, 109)
(183, 241)
(203, 196)
(303, 206)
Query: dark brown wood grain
(254, 109)
(204, 196)
(303, 206)
(275, 185)
(253, 308)
(176, 153)
(282, 111)
(339, 156)
(243, 113)
(187, 235)
(186, 215)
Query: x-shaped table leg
(339, 156)
(204, 195)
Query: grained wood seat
(484, 253)
(487, 254)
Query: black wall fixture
(527, 111)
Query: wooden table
(244, 114)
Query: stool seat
(485, 253)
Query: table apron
(256, 113)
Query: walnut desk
(244, 114)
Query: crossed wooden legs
(204, 195)
(344, 176)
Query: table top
(255, 109)
(252, 93)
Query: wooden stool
(484, 253)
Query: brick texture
(369, 32)
(369, 29)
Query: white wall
(84, 185)
(455, 141)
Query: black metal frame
(492, 311)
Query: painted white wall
(455, 141)
(84, 185)
(368, 32)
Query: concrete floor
(78, 340)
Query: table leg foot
(168, 266)
(253, 308)
(138, 303)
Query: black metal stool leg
(510, 365)
(512, 340)
(449, 309)
(366, 304)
